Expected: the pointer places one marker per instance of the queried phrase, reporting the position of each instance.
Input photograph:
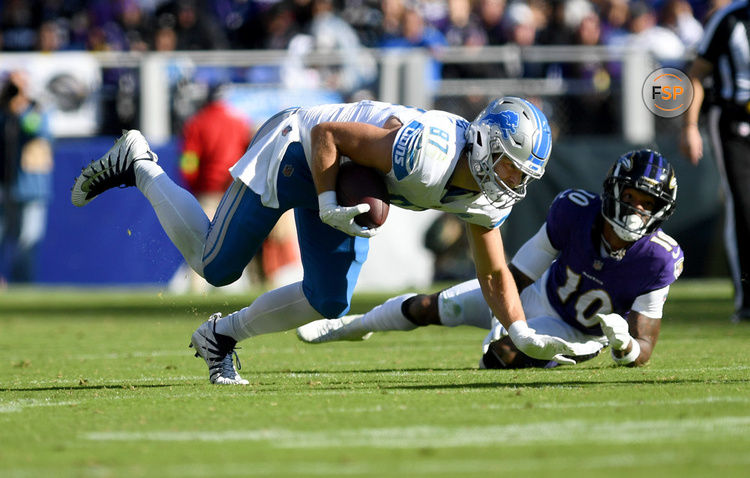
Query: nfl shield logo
(598, 265)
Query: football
(357, 184)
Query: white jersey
(424, 157)
(259, 166)
(370, 112)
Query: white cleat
(218, 351)
(332, 330)
(113, 169)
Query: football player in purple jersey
(597, 273)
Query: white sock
(180, 214)
(464, 304)
(387, 316)
(280, 309)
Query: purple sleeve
(672, 266)
(558, 223)
(665, 260)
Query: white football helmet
(511, 128)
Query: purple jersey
(581, 283)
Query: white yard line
(564, 431)
(18, 405)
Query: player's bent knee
(330, 309)
(218, 276)
(421, 309)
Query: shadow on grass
(501, 379)
(124, 386)
(361, 371)
(562, 383)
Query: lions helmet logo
(507, 121)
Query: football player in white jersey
(430, 160)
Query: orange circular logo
(667, 92)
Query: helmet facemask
(629, 222)
(645, 171)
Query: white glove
(547, 347)
(615, 327)
(341, 217)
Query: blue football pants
(331, 259)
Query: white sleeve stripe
(651, 304)
(536, 255)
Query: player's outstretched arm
(500, 293)
(495, 278)
(645, 331)
(633, 340)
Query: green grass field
(99, 384)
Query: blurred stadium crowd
(159, 25)
(668, 29)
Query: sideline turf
(96, 383)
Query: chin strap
(615, 254)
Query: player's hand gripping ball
(357, 184)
